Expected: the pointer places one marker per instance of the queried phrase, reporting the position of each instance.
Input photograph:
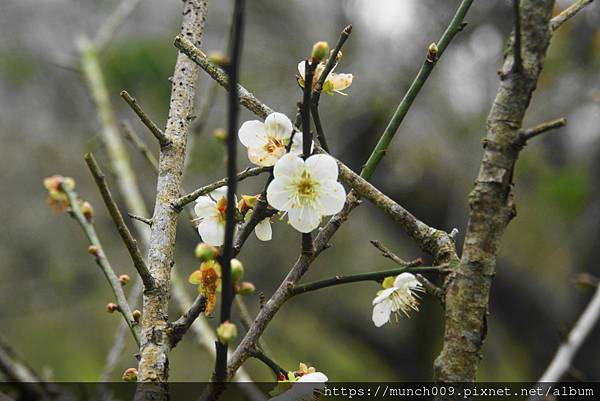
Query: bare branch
(539, 129)
(157, 132)
(182, 325)
(143, 219)
(517, 35)
(97, 251)
(568, 13)
(139, 144)
(113, 209)
(180, 202)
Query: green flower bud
(226, 332)
(88, 211)
(237, 270)
(246, 288)
(206, 252)
(320, 51)
(130, 375)
(136, 315)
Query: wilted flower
(306, 189)
(400, 297)
(208, 279)
(299, 385)
(210, 210)
(268, 141)
(333, 83)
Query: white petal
(322, 167)
(304, 219)
(406, 279)
(384, 295)
(288, 166)
(381, 313)
(340, 82)
(302, 68)
(332, 197)
(219, 193)
(263, 230)
(204, 207)
(261, 157)
(316, 377)
(277, 125)
(296, 148)
(212, 232)
(253, 134)
(279, 194)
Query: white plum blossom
(268, 141)
(304, 388)
(306, 190)
(400, 297)
(210, 210)
(263, 230)
(333, 83)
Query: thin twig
(314, 104)
(102, 261)
(163, 140)
(111, 205)
(386, 252)
(355, 278)
(568, 13)
(180, 202)
(455, 26)
(143, 219)
(274, 366)
(140, 145)
(539, 129)
(182, 325)
(227, 293)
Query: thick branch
(163, 140)
(113, 209)
(101, 260)
(491, 202)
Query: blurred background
(53, 296)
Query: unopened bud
(220, 134)
(226, 332)
(246, 203)
(206, 252)
(218, 58)
(237, 270)
(68, 183)
(87, 210)
(136, 315)
(110, 307)
(585, 281)
(130, 375)
(124, 279)
(52, 183)
(246, 288)
(432, 52)
(320, 51)
(93, 250)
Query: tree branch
(434, 53)
(517, 43)
(117, 217)
(307, 138)
(539, 129)
(355, 278)
(227, 293)
(491, 203)
(568, 13)
(97, 251)
(180, 202)
(140, 145)
(112, 24)
(163, 140)
(182, 325)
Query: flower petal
(204, 207)
(261, 157)
(279, 194)
(304, 219)
(219, 193)
(340, 82)
(384, 295)
(296, 148)
(253, 134)
(302, 69)
(332, 197)
(381, 313)
(277, 125)
(289, 166)
(322, 167)
(316, 377)
(406, 279)
(212, 231)
(263, 230)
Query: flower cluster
(299, 385)
(397, 296)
